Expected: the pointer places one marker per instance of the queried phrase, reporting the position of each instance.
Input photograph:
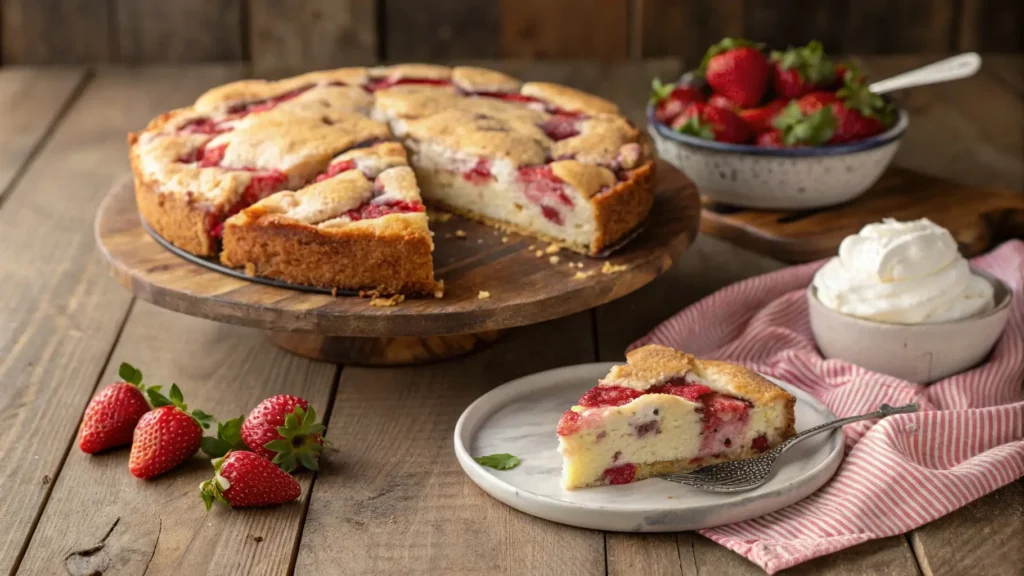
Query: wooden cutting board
(978, 218)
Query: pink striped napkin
(900, 472)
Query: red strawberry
(719, 101)
(246, 479)
(711, 123)
(851, 125)
(670, 101)
(861, 113)
(814, 101)
(792, 127)
(166, 436)
(760, 119)
(797, 71)
(738, 70)
(111, 415)
(284, 428)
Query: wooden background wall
(287, 35)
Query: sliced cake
(666, 411)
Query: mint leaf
(130, 373)
(498, 461)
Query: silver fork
(748, 474)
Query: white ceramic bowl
(750, 176)
(919, 353)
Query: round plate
(471, 258)
(520, 418)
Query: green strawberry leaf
(659, 90)
(694, 126)
(130, 374)
(231, 432)
(814, 66)
(279, 445)
(308, 461)
(301, 440)
(176, 396)
(789, 116)
(156, 399)
(498, 461)
(724, 46)
(205, 420)
(229, 435)
(214, 447)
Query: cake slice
(360, 226)
(666, 411)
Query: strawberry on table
(793, 128)
(738, 70)
(798, 71)
(167, 435)
(111, 415)
(711, 123)
(246, 479)
(760, 119)
(670, 101)
(284, 428)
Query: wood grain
(449, 29)
(60, 310)
(160, 526)
(155, 31)
(55, 32)
(983, 537)
(32, 100)
(909, 26)
(977, 217)
(992, 25)
(796, 22)
(705, 22)
(393, 499)
(387, 351)
(290, 37)
(524, 287)
(565, 29)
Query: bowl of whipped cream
(900, 299)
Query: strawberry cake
(321, 179)
(666, 411)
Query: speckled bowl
(749, 176)
(921, 353)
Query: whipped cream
(902, 272)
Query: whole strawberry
(670, 101)
(738, 70)
(860, 113)
(814, 101)
(712, 123)
(760, 119)
(284, 429)
(793, 128)
(798, 71)
(111, 415)
(246, 479)
(165, 436)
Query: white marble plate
(520, 418)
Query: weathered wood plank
(449, 29)
(991, 25)
(59, 309)
(796, 22)
(160, 526)
(565, 29)
(967, 131)
(393, 499)
(705, 22)
(55, 32)
(290, 37)
(1006, 68)
(31, 101)
(880, 26)
(983, 537)
(153, 31)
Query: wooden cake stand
(471, 258)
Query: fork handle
(883, 411)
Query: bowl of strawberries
(783, 130)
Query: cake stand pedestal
(493, 281)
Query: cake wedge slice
(667, 411)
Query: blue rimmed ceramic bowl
(750, 176)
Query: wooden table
(391, 498)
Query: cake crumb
(554, 259)
(479, 240)
(447, 235)
(538, 253)
(610, 268)
(504, 239)
(483, 295)
(553, 249)
(579, 264)
(439, 289)
(433, 216)
(582, 275)
(531, 246)
(460, 234)
(387, 302)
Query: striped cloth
(900, 472)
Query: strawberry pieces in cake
(542, 187)
(480, 173)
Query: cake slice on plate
(666, 411)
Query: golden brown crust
(743, 382)
(350, 258)
(174, 217)
(620, 209)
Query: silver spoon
(952, 68)
(742, 475)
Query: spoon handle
(952, 68)
(883, 411)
